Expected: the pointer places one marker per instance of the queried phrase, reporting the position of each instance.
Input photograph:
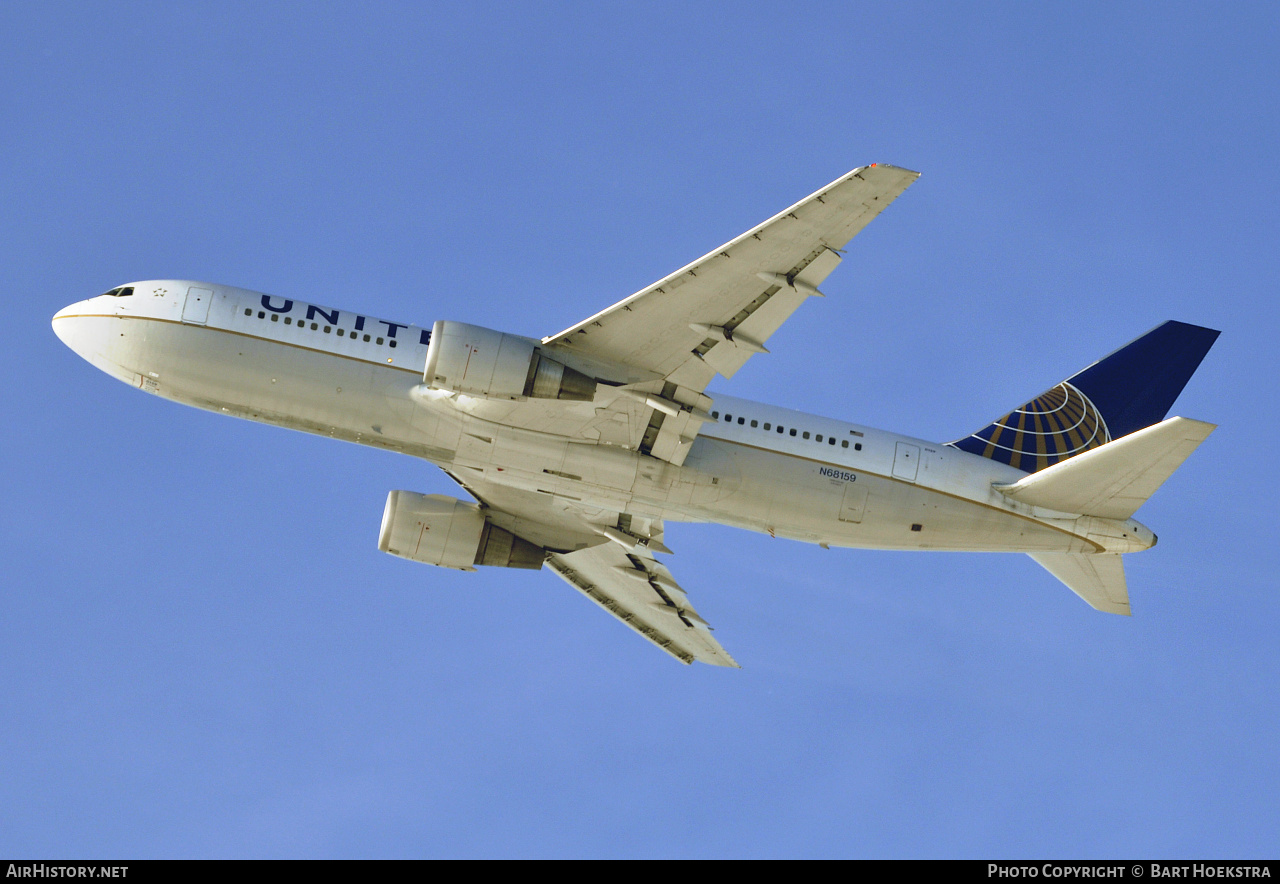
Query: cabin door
(906, 461)
(196, 309)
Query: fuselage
(759, 467)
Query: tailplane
(1129, 390)
(1098, 579)
(1111, 482)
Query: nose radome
(62, 324)
(69, 326)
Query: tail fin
(1111, 482)
(1130, 389)
(1098, 579)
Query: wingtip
(890, 167)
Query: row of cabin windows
(328, 329)
(804, 434)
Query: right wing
(710, 316)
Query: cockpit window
(123, 291)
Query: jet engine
(481, 362)
(438, 530)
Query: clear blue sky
(202, 652)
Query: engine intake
(438, 530)
(491, 364)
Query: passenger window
(379, 342)
(741, 421)
(806, 434)
(857, 446)
(288, 320)
(261, 315)
(275, 317)
(819, 437)
(768, 426)
(780, 428)
(314, 326)
(844, 443)
(248, 312)
(342, 333)
(831, 440)
(366, 337)
(753, 423)
(728, 418)
(793, 431)
(716, 415)
(392, 342)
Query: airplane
(580, 447)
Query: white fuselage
(353, 377)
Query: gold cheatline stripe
(731, 442)
(913, 485)
(227, 331)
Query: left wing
(635, 587)
(608, 557)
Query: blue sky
(203, 652)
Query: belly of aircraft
(818, 502)
(751, 488)
(270, 382)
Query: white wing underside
(707, 318)
(640, 591)
(630, 584)
(654, 328)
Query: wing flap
(638, 590)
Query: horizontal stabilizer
(1112, 481)
(1096, 578)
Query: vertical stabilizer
(1096, 578)
(1130, 389)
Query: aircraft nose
(68, 325)
(61, 328)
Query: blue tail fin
(1132, 388)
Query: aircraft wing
(637, 589)
(712, 315)
(628, 582)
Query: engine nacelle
(438, 530)
(482, 362)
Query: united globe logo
(1054, 426)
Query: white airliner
(580, 447)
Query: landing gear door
(196, 308)
(906, 461)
